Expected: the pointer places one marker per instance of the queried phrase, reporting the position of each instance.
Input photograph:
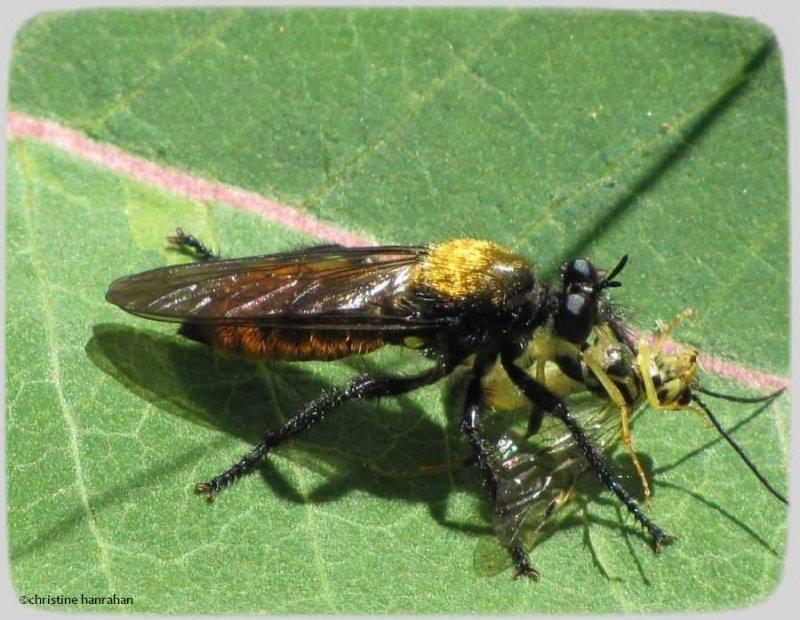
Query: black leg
(314, 413)
(190, 243)
(553, 405)
(472, 425)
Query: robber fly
(624, 372)
(459, 301)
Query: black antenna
(739, 450)
(608, 281)
(739, 399)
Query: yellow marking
(502, 395)
(545, 347)
(413, 342)
(560, 384)
(539, 371)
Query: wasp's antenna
(739, 399)
(739, 450)
(608, 281)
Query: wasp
(625, 372)
(463, 301)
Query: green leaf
(555, 133)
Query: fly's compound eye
(579, 271)
(578, 306)
(581, 287)
(576, 316)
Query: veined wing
(535, 481)
(326, 287)
(532, 479)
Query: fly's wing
(534, 482)
(322, 288)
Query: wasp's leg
(314, 413)
(548, 401)
(618, 399)
(666, 330)
(627, 440)
(191, 244)
(472, 424)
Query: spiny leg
(548, 401)
(314, 413)
(190, 243)
(472, 425)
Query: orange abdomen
(256, 342)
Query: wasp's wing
(535, 481)
(326, 287)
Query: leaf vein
(48, 314)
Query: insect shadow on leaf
(238, 397)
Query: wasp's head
(674, 377)
(581, 285)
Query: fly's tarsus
(191, 245)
